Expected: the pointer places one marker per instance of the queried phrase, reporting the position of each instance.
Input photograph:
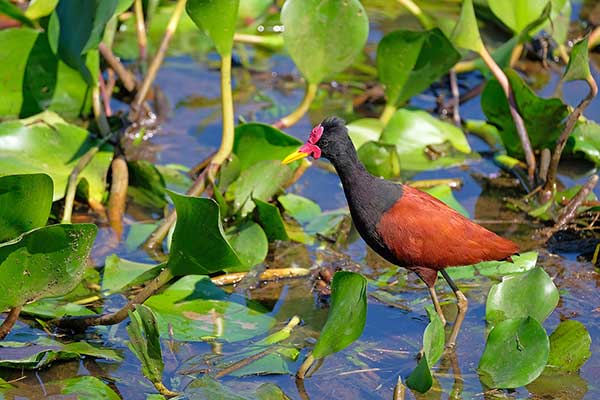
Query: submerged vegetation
(183, 274)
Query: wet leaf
(209, 388)
(409, 61)
(347, 314)
(420, 379)
(434, 338)
(579, 64)
(543, 117)
(40, 8)
(146, 184)
(380, 159)
(444, 193)
(300, 208)
(256, 142)
(50, 308)
(558, 385)
(43, 262)
(327, 223)
(137, 235)
(586, 139)
(217, 19)
(520, 295)
(190, 255)
(466, 33)
(25, 202)
(515, 353)
(250, 243)
(44, 351)
(84, 387)
(364, 130)
(324, 37)
(120, 273)
(14, 12)
(569, 346)
(197, 310)
(144, 342)
(269, 217)
(515, 14)
(47, 144)
(413, 131)
(523, 262)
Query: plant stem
(415, 10)
(291, 119)
(163, 390)
(594, 38)
(9, 322)
(386, 115)
(246, 361)
(399, 390)
(269, 41)
(118, 195)
(140, 97)
(141, 29)
(455, 97)
(267, 275)
(515, 54)
(227, 111)
(125, 76)
(569, 212)
(305, 366)
(518, 120)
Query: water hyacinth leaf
(25, 202)
(543, 117)
(585, 139)
(209, 388)
(515, 353)
(249, 10)
(44, 351)
(137, 234)
(250, 243)
(530, 293)
(420, 379)
(515, 14)
(51, 308)
(300, 208)
(444, 193)
(120, 273)
(256, 142)
(408, 62)
(560, 18)
(324, 37)
(146, 184)
(521, 263)
(84, 387)
(217, 19)
(380, 159)
(269, 217)
(569, 346)
(45, 143)
(144, 342)
(190, 255)
(579, 64)
(44, 262)
(466, 33)
(12, 11)
(413, 132)
(327, 223)
(347, 314)
(197, 310)
(364, 130)
(434, 337)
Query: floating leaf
(347, 314)
(209, 388)
(25, 202)
(521, 263)
(190, 255)
(466, 33)
(217, 19)
(569, 346)
(197, 310)
(84, 387)
(579, 64)
(44, 262)
(380, 159)
(51, 308)
(364, 130)
(144, 342)
(300, 208)
(47, 144)
(324, 37)
(516, 14)
(515, 353)
(521, 295)
(250, 243)
(269, 217)
(120, 273)
(256, 142)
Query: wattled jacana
(404, 225)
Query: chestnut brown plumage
(404, 225)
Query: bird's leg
(462, 304)
(436, 304)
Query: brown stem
(518, 120)
(569, 212)
(118, 195)
(308, 362)
(273, 274)
(162, 389)
(124, 75)
(399, 390)
(79, 324)
(9, 322)
(105, 95)
(455, 97)
(141, 29)
(140, 97)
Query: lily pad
(364, 130)
(217, 19)
(256, 142)
(569, 346)
(300, 208)
(250, 243)
(521, 263)
(120, 273)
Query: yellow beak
(297, 155)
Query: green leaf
(252, 9)
(300, 208)
(217, 19)
(84, 387)
(560, 20)
(47, 144)
(250, 243)
(347, 314)
(44, 351)
(586, 139)
(37, 79)
(380, 159)
(137, 235)
(516, 14)
(44, 262)
(413, 131)
(579, 64)
(523, 262)
(364, 130)
(420, 379)
(197, 310)
(120, 273)
(466, 33)
(14, 12)
(190, 255)
(521, 295)
(324, 37)
(51, 308)
(543, 117)
(146, 184)
(408, 62)
(25, 202)
(444, 193)
(434, 338)
(269, 217)
(256, 142)
(515, 353)
(40, 8)
(144, 342)
(569, 346)
(327, 223)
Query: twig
(123, 73)
(455, 97)
(296, 115)
(141, 29)
(118, 195)
(569, 212)
(140, 97)
(10, 321)
(79, 324)
(273, 274)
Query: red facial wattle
(310, 147)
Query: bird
(404, 225)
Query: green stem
(305, 366)
(291, 119)
(269, 41)
(387, 114)
(227, 110)
(426, 21)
